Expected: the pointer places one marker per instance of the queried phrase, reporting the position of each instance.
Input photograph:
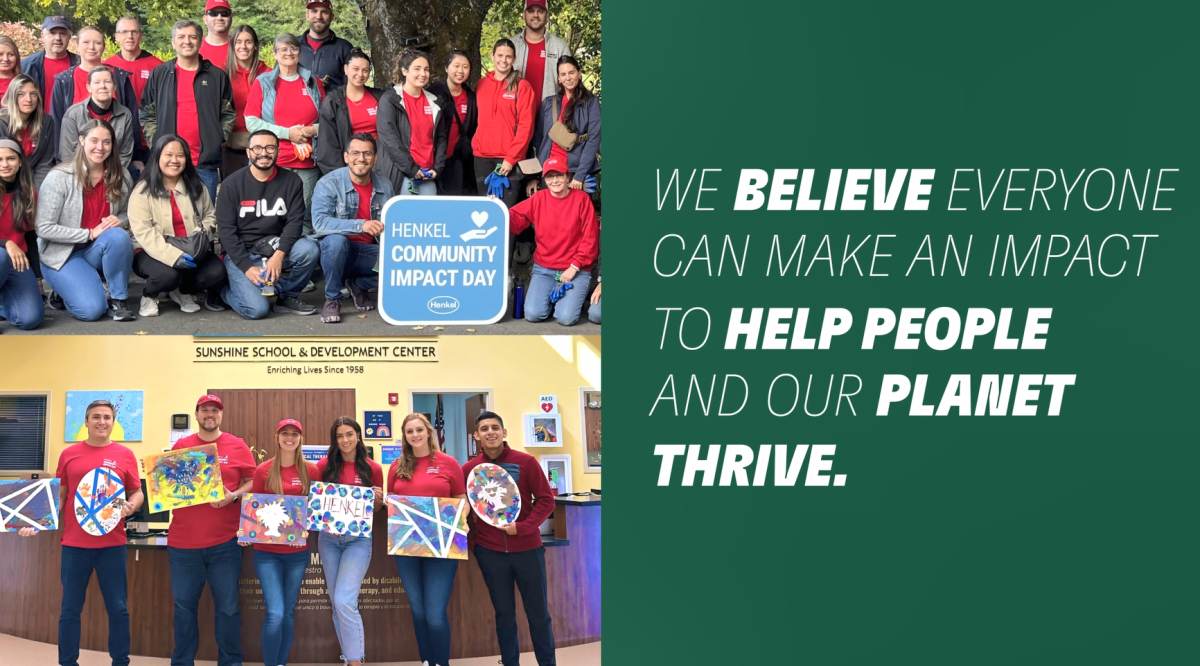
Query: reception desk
(30, 587)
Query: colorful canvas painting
(493, 494)
(128, 426)
(29, 504)
(99, 499)
(277, 519)
(185, 477)
(340, 509)
(427, 527)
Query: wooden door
(253, 414)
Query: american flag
(439, 424)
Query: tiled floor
(21, 651)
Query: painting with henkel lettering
(444, 260)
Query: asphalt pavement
(172, 321)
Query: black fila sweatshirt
(249, 210)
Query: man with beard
(260, 217)
(538, 51)
(514, 554)
(218, 16)
(350, 246)
(202, 544)
(53, 59)
(321, 51)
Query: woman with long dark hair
(463, 118)
(506, 121)
(20, 295)
(280, 568)
(424, 471)
(82, 225)
(170, 201)
(345, 557)
(347, 111)
(412, 135)
(243, 68)
(578, 110)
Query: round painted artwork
(493, 495)
(99, 498)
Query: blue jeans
(219, 566)
(428, 582)
(246, 297)
(308, 180)
(110, 567)
(528, 570)
(345, 559)
(425, 188)
(20, 297)
(594, 311)
(566, 310)
(210, 178)
(280, 576)
(111, 254)
(342, 258)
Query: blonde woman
(24, 120)
(280, 568)
(10, 62)
(424, 471)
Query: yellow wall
(517, 368)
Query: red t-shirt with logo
(535, 70)
(348, 475)
(363, 114)
(443, 478)
(187, 118)
(420, 118)
(217, 55)
(293, 107)
(139, 70)
(460, 110)
(75, 464)
(53, 67)
(203, 526)
(365, 193)
(81, 91)
(95, 206)
(291, 486)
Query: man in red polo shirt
(202, 543)
(218, 16)
(138, 63)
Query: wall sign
(377, 425)
(314, 454)
(548, 404)
(392, 453)
(444, 261)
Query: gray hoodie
(556, 47)
(77, 116)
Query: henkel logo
(442, 304)
(464, 108)
(262, 209)
(145, 73)
(109, 463)
(429, 111)
(224, 459)
(508, 95)
(373, 111)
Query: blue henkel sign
(444, 260)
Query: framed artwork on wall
(589, 414)
(543, 430)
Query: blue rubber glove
(496, 185)
(185, 261)
(589, 184)
(428, 173)
(560, 291)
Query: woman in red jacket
(568, 240)
(506, 119)
(424, 471)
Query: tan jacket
(150, 220)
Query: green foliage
(577, 22)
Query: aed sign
(444, 260)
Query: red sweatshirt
(566, 229)
(537, 503)
(499, 112)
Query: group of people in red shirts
(428, 138)
(203, 545)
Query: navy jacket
(35, 66)
(582, 158)
(326, 63)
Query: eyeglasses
(355, 154)
(260, 150)
(287, 49)
(219, 12)
(129, 32)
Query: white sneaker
(186, 302)
(148, 307)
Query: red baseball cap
(209, 398)
(535, 3)
(290, 422)
(218, 4)
(554, 164)
(319, 3)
